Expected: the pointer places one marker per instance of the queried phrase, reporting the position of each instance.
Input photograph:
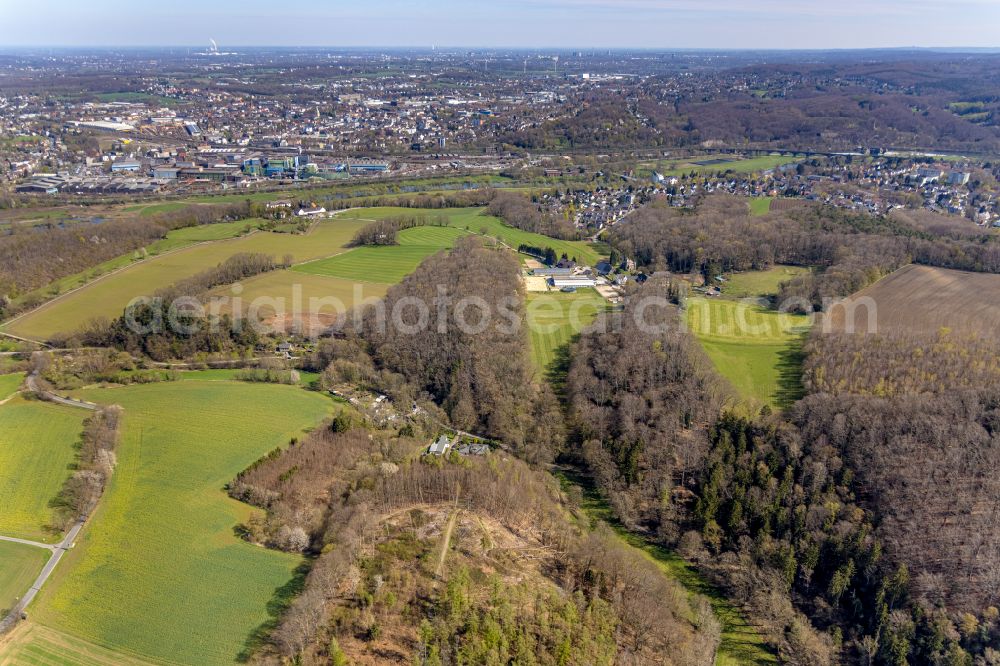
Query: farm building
(311, 212)
(552, 272)
(560, 282)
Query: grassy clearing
(159, 572)
(756, 349)
(153, 209)
(554, 319)
(108, 297)
(37, 451)
(387, 264)
(760, 283)
(741, 642)
(19, 566)
(760, 205)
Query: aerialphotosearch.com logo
(544, 313)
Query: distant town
(180, 123)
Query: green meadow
(159, 573)
(37, 451)
(10, 383)
(387, 264)
(760, 205)
(756, 349)
(19, 566)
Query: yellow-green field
(108, 297)
(727, 163)
(32, 644)
(554, 318)
(10, 383)
(754, 348)
(174, 240)
(298, 294)
(19, 566)
(159, 572)
(37, 450)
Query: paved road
(7, 623)
(26, 542)
(32, 383)
(58, 551)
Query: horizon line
(436, 47)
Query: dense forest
(850, 250)
(916, 419)
(859, 527)
(641, 404)
(478, 372)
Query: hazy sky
(527, 23)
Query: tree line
(163, 327)
(32, 257)
(96, 462)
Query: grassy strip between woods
(756, 349)
(109, 296)
(760, 205)
(741, 642)
(554, 319)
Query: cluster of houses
(443, 446)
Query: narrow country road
(32, 383)
(26, 542)
(58, 550)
